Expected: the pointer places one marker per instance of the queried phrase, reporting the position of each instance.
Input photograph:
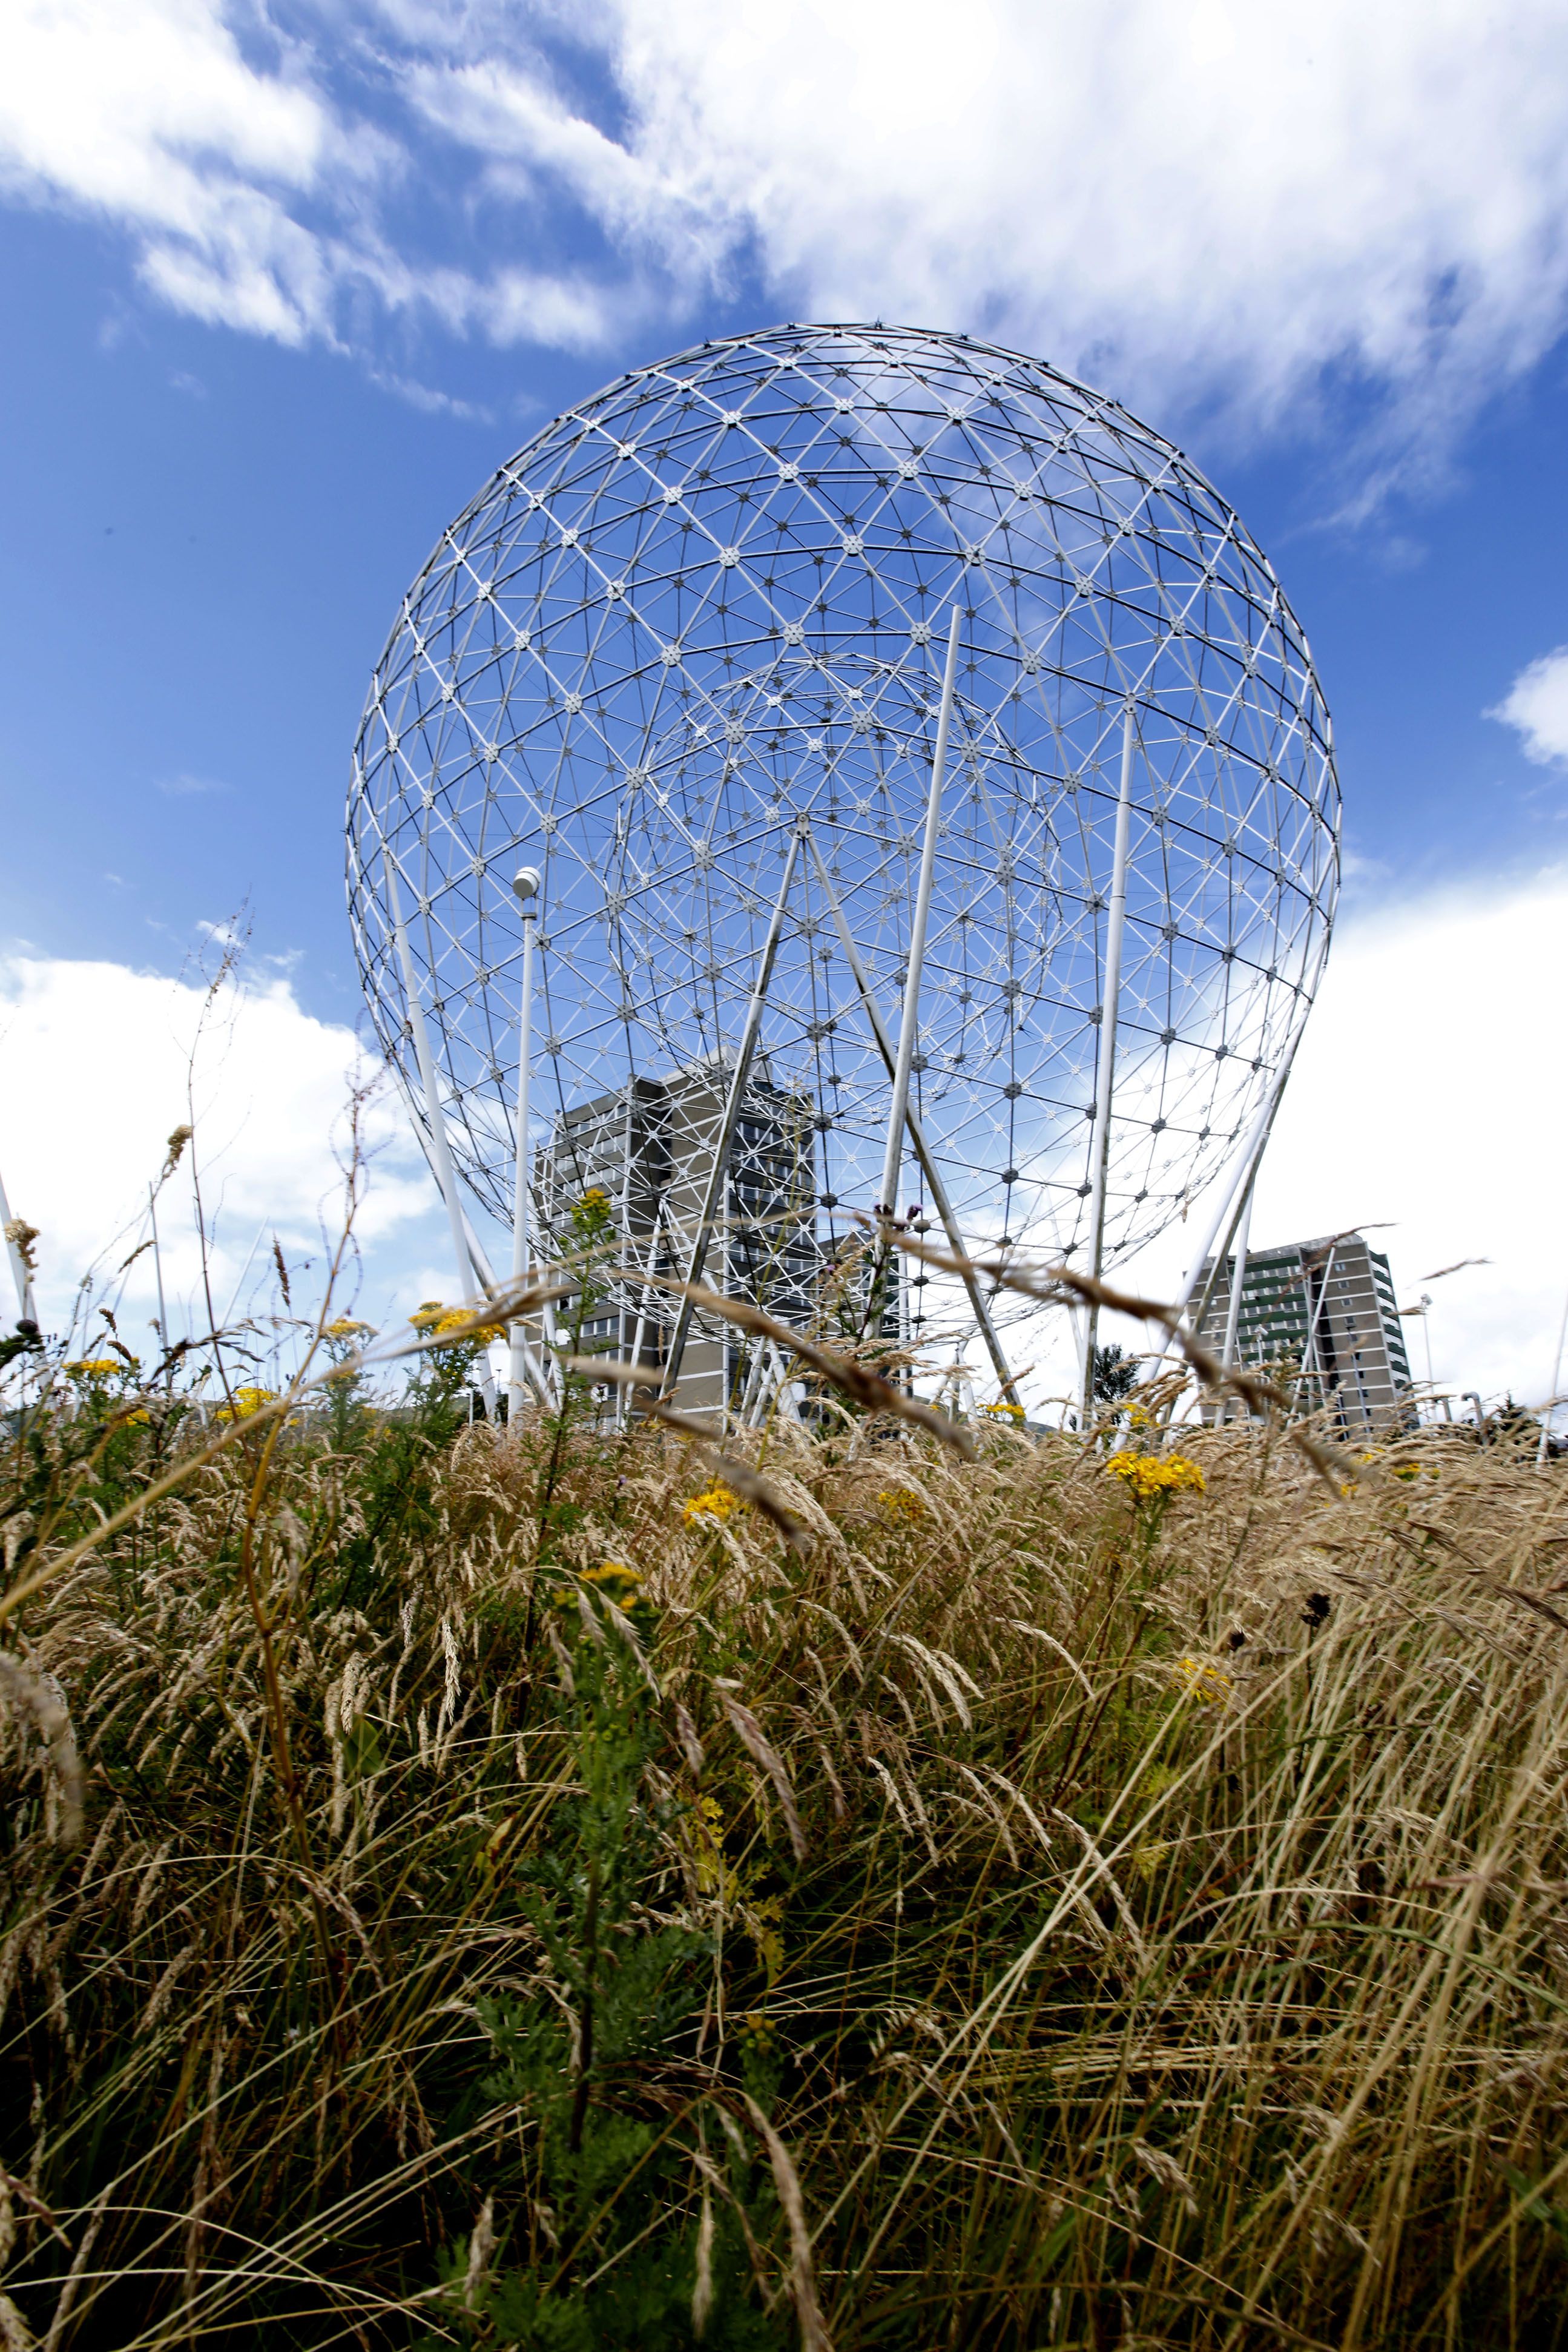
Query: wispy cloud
(188, 787)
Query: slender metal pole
(646, 1298)
(1551, 1394)
(435, 1128)
(526, 884)
(939, 1194)
(1109, 1000)
(244, 1270)
(622, 1399)
(19, 1273)
(158, 1270)
(1237, 1285)
(1228, 1201)
(718, 1171)
(1309, 1353)
(908, 1027)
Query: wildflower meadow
(878, 1880)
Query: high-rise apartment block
(1320, 1315)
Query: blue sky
(284, 286)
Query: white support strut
(520, 1363)
(19, 1273)
(909, 1028)
(1237, 1285)
(717, 1175)
(1105, 1076)
(923, 1153)
(434, 1125)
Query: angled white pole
(1311, 1370)
(244, 1270)
(1551, 1394)
(1242, 1171)
(939, 1193)
(1233, 1194)
(435, 1125)
(19, 1273)
(1109, 1000)
(640, 1327)
(1237, 1285)
(714, 1190)
(526, 884)
(909, 1028)
(158, 1270)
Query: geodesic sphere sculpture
(702, 617)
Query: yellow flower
(617, 1581)
(93, 1368)
(1150, 1475)
(245, 1403)
(900, 1504)
(346, 1328)
(717, 1503)
(1004, 1411)
(1202, 1678)
(434, 1318)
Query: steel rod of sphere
(646, 1301)
(158, 1270)
(703, 608)
(435, 1125)
(526, 886)
(1104, 1094)
(1237, 1284)
(244, 1270)
(19, 1273)
(908, 1027)
(717, 1175)
(1557, 1383)
(939, 1192)
(1311, 1365)
(1229, 1197)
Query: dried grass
(1061, 1920)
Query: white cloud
(1536, 704)
(1218, 200)
(1422, 1096)
(93, 1066)
(248, 192)
(1218, 197)
(145, 113)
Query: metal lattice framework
(702, 615)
